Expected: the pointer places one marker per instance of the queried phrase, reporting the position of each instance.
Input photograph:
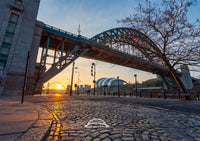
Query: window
(4, 51)
(2, 64)
(3, 57)
(10, 29)
(13, 18)
(3, 60)
(7, 40)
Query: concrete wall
(12, 75)
(186, 78)
(32, 74)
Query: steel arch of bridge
(54, 83)
(129, 41)
(133, 42)
(122, 46)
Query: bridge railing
(55, 29)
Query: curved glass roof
(109, 82)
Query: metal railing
(55, 29)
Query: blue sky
(94, 16)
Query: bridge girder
(129, 41)
(109, 46)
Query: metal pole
(165, 97)
(25, 79)
(54, 59)
(93, 67)
(72, 78)
(118, 86)
(63, 46)
(45, 59)
(136, 84)
(94, 77)
(78, 83)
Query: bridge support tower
(18, 35)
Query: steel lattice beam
(62, 63)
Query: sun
(59, 87)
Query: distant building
(87, 88)
(108, 82)
(68, 88)
(82, 88)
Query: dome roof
(109, 82)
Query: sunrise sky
(94, 16)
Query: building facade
(17, 33)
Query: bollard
(150, 94)
(165, 97)
(179, 95)
(197, 96)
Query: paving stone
(127, 122)
(145, 137)
(128, 138)
(88, 138)
(97, 139)
(102, 136)
(116, 136)
(107, 139)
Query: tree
(175, 40)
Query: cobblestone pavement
(126, 122)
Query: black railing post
(72, 78)
(150, 94)
(197, 95)
(179, 95)
(118, 86)
(164, 93)
(25, 78)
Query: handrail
(65, 32)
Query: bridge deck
(96, 51)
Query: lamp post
(25, 78)
(78, 80)
(72, 78)
(118, 86)
(136, 84)
(93, 73)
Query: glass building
(109, 82)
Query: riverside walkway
(61, 117)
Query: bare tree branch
(177, 40)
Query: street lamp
(78, 80)
(93, 73)
(136, 84)
(118, 86)
(72, 78)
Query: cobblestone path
(126, 122)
